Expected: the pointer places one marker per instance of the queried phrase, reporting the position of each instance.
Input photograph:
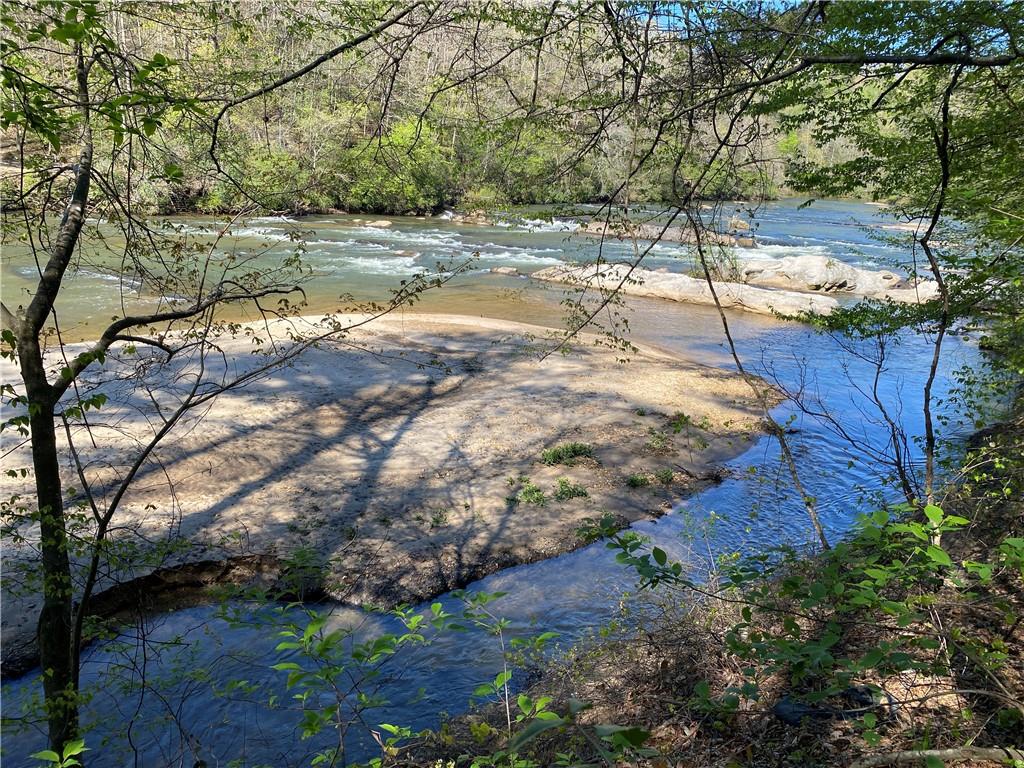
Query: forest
(464, 383)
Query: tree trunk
(55, 644)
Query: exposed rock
(478, 217)
(923, 291)
(813, 272)
(379, 223)
(504, 270)
(676, 287)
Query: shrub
(665, 476)
(566, 453)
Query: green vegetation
(658, 442)
(665, 476)
(638, 481)
(531, 493)
(566, 453)
(568, 490)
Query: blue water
(192, 654)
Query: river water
(209, 679)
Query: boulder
(916, 294)
(504, 270)
(814, 272)
(691, 290)
(478, 217)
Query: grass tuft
(638, 481)
(566, 453)
(531, 494)
(567, 490)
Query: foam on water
(555, 225)
(127, 281)
(274, 220)
(260, 232)
(517, 257)
(437, 237)
(387, 265)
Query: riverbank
(406, 459)
(703, 674)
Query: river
(195, 704)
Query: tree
(104, 120)
(73, 76)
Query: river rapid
(209, 679)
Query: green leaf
(659, 556)
(531, 732)
(933, 762)
(576, 706)
(939, 555)
(525, 703)
(633, 736)
(75, 747)
(314, 626)
(48, 755)
(934, 515)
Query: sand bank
(392, 458)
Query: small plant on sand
(568, 490)
(638, 481)
(531, 493)
(691, 429)
(439, 519)
(665, 476)
(566, 453)
(658, 441)
(302, 572)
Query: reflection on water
(189, 707)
